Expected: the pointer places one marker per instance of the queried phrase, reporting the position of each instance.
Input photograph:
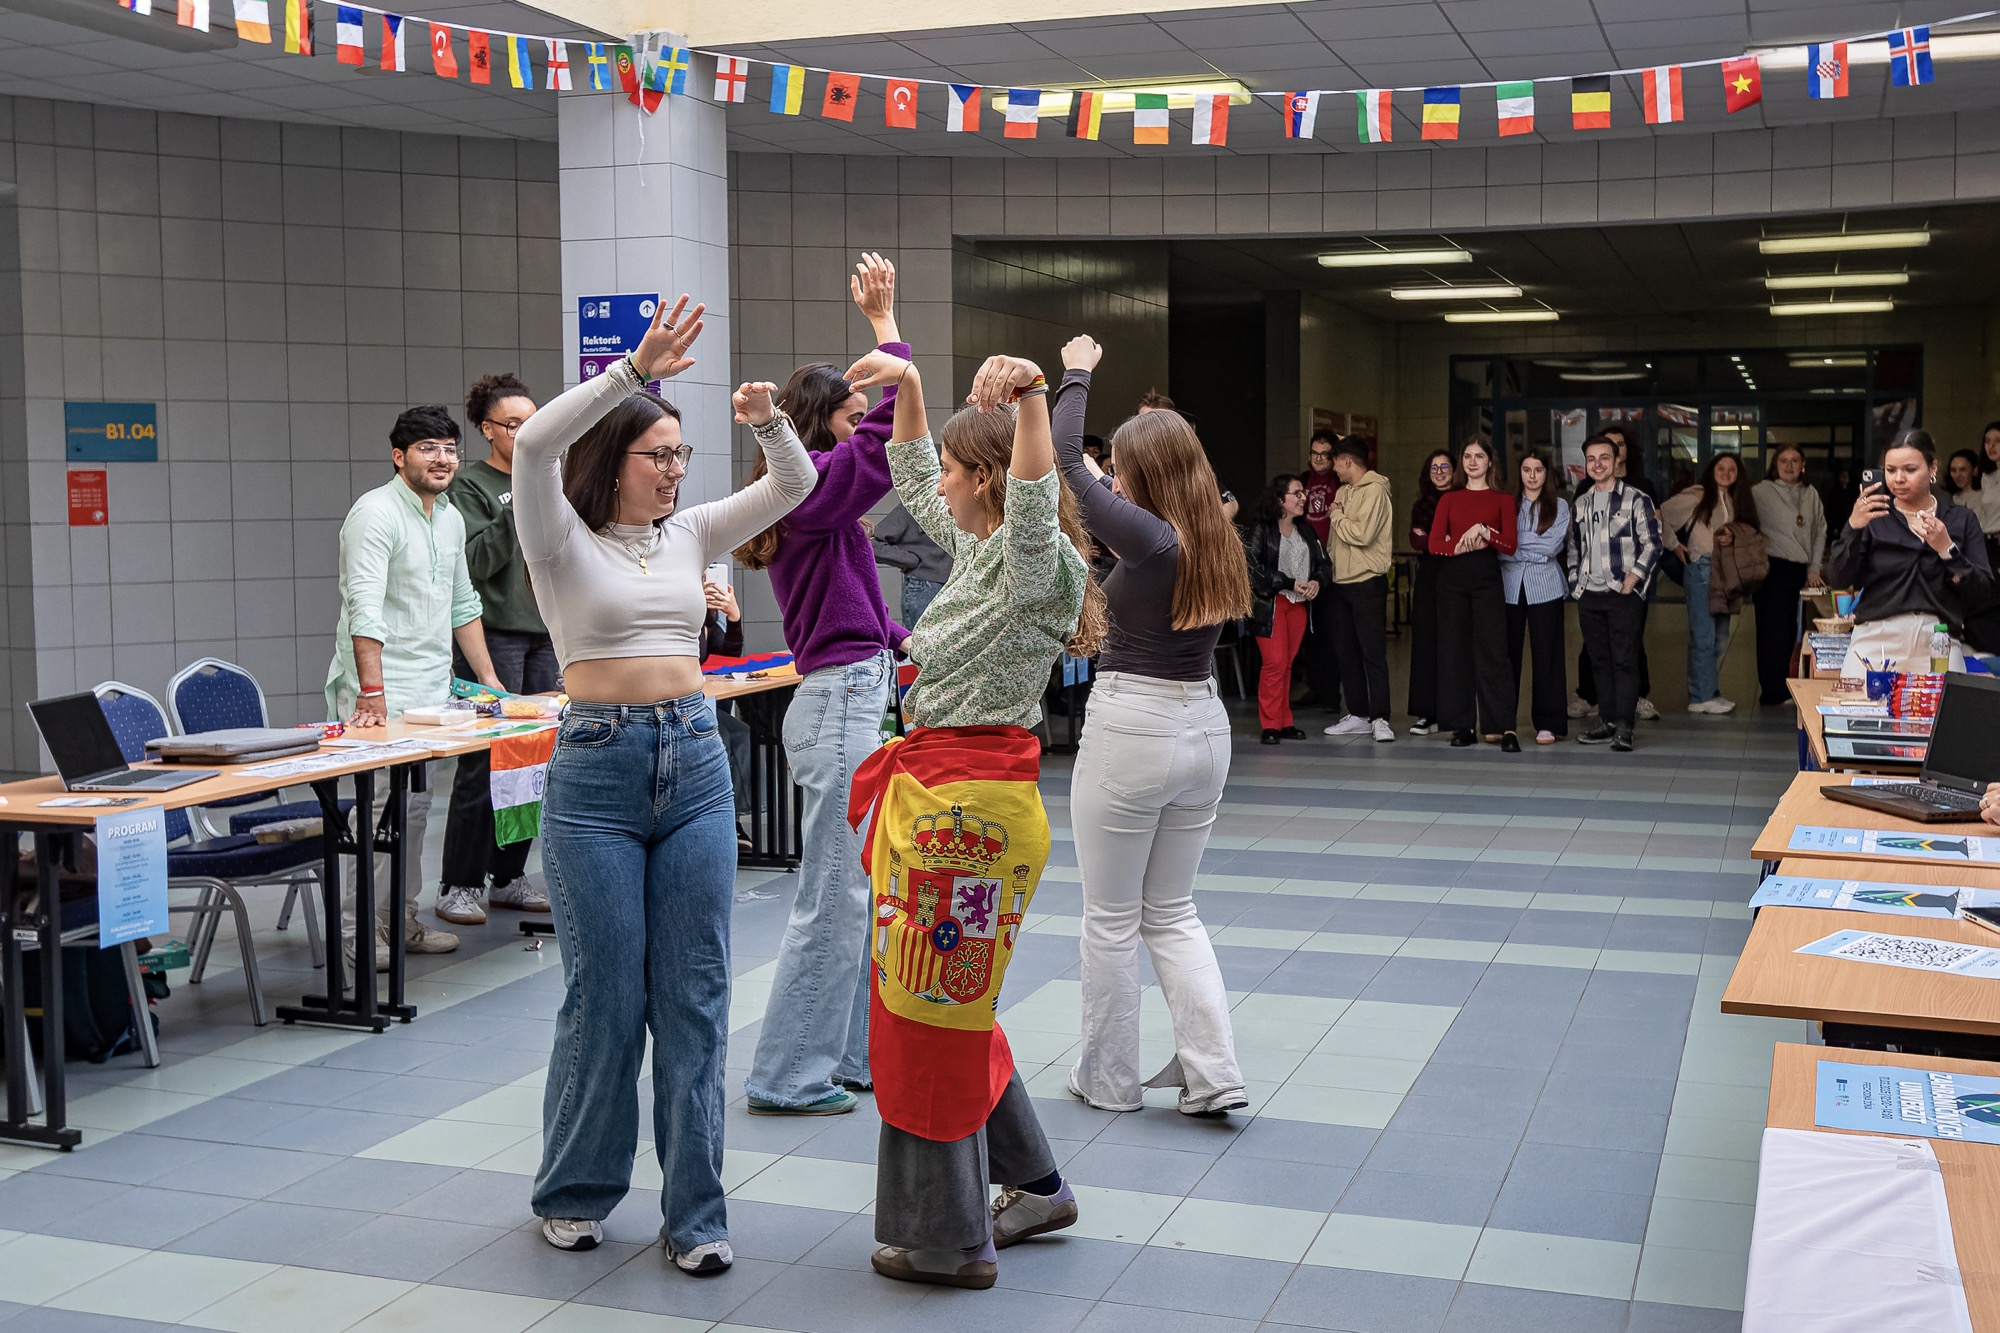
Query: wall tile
(142, 553)
(1922, 180)
(185, 136)
(90, 615)
(203, 550)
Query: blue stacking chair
(215, 868)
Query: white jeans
(1143, 796)
(1900, 643)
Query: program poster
(1853, 895)
(1908, 1100)
(1905, 844)
(131, 876)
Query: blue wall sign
(111, 432)
(610, 326)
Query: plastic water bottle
(1940, 650)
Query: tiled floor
(1475, 996)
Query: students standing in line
(1794, 523)
(1614, 547)
(1322, 653)
(1360, 525)
(813, 1047)
(1705, 510)
(638, 821)
(957, 795)
(1532, 580)
(1987, 487)
(1150, 769)
(1472, 529)
(1432, 480)
(1288, 568)
(1631, 472)
(903, 545)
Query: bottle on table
(1940, 650)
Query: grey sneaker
(523, 895)
(1217, 1103)
(572, 1233)
(1648, 711)
(704, 1260)
(460, 907)
(943, 1268)
(1018, 1214)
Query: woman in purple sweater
(814, 1044)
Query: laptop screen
(1965, 740)
(78, 736)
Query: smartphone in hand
(1870, 477)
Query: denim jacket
(1536, 561)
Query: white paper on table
(1852, 1236)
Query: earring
(614, 485)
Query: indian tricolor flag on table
(520, 769)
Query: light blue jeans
(639, 849)
(1708, 636)
(816, 1025)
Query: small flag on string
(137, 6)
(842, 92)
(298, 27)
(392, 43)
(1517, 107)
(253, 21)
(596, 66)
(1441, 106)
(899, 105)
(1662, 86)
(732, 78)
(676, 66)
(1742, 83)
(1149, 118)
(479, 55)
(628, 69)
(347, 36)
(1024, 109)
(520, 63)
(1086, 114)
(1590, 102)
(652, 84)
(193, 14)
(1826, 68)
(1301, 110)
(1910, 57)
(558, 79)
(788, 89)
(1211, 119)
(961, 109)
(444, 60)
(1377, 123)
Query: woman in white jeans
(1155, 751)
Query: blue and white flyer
(1908, 1100)
(1912, 951)
(1853, 895)
(1903, 844)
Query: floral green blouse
(985, 646)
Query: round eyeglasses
(664, 458)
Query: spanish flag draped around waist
(954, 850)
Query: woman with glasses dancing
(638, 819)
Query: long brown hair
(1742, 500)
(810, 398)
(1162, 469)
(1459, 481)
(1549, 503)
(590, 469)
(976, 439)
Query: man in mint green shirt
(404, 597)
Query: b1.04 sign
(111, 432)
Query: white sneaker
(572, 1233)
(1647, 712)
(702, 1260)
(1018, 1214)
(1423, 726)
(1721, 705)
(1383, 731)
(1578, 708)
(1698, 706)
(1212, 1103)
(461, 907)
(1349, 725)
(523, 895)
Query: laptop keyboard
(1941, 798)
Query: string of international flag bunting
(649, 72)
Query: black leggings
(1475, 689)
(1777, 602)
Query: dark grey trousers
(934, 1196)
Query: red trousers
(1274, 685)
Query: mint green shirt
(402, 582)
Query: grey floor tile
(1496, 1046)
(1585, 1094)
(1484, 1159)
(1353, 1301)
(333, 1129)
(416, 1095)
(1484, 1309)
(494, 1197)
(491, 1065)
(814, 1300)
(521, 1263)
(311, 1085)
(1585, 930)
(394, 1052)
(774, 1231)
(1068, 1118)
(1129, 1167)
(46, 1320)
(1240, 1179)
(1626, 1133)
(1105, 1317)
(1660, 1058)
(1066, 1265)
(131, 1159)
(999, 1310)
(850, 1245)
(1340, 976)
(1495, 1115)
(146, 1218)
(1454, 1200)
(1563, 1210)
(1299, 1141)
(244, 1172)
(1615, 1170)
(1160, 1127)
(273, 1233)
(1424, 981)
(227, 1120)
(412, 1249)
(1647, 1317)
(1217, 1284)
(1673, 934)
(366, 1184)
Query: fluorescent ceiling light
(1560, 364)
(1792, 282)
(1833, 307)
(1119, 102)
(1386, 258)
(1493, 291)
(1944, 46)
(1501, 317)
(1604, 377)
(1800, 361)
(1845, 240)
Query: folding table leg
(142, 1013)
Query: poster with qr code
(1851, 895)
(1903, 844)
(1907, 1100)
(1913, 951)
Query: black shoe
(1622, 742)
(1292, 734)
(1510, 743)
(1601, 733)
(1461, 739)
(1269, 737)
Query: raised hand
(753, 403)
(1081, 353)
(662, 352)
(878, 367)
(873, 286)
(999, 379)
(1871, 505)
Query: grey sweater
(901, 544)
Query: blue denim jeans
(639, 849)
(816, 1025)
(917, 597)
(1708, 636)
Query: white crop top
(592, 594)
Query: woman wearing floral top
(957, 837)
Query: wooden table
(1807, 695)
(1867, 1004)
(1971, 1170)
(776, 840)
(1803, 804)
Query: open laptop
(87, 755)
(1964, 756)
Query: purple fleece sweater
(824, 574)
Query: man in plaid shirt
(1613, 549)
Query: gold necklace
(633, 550)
